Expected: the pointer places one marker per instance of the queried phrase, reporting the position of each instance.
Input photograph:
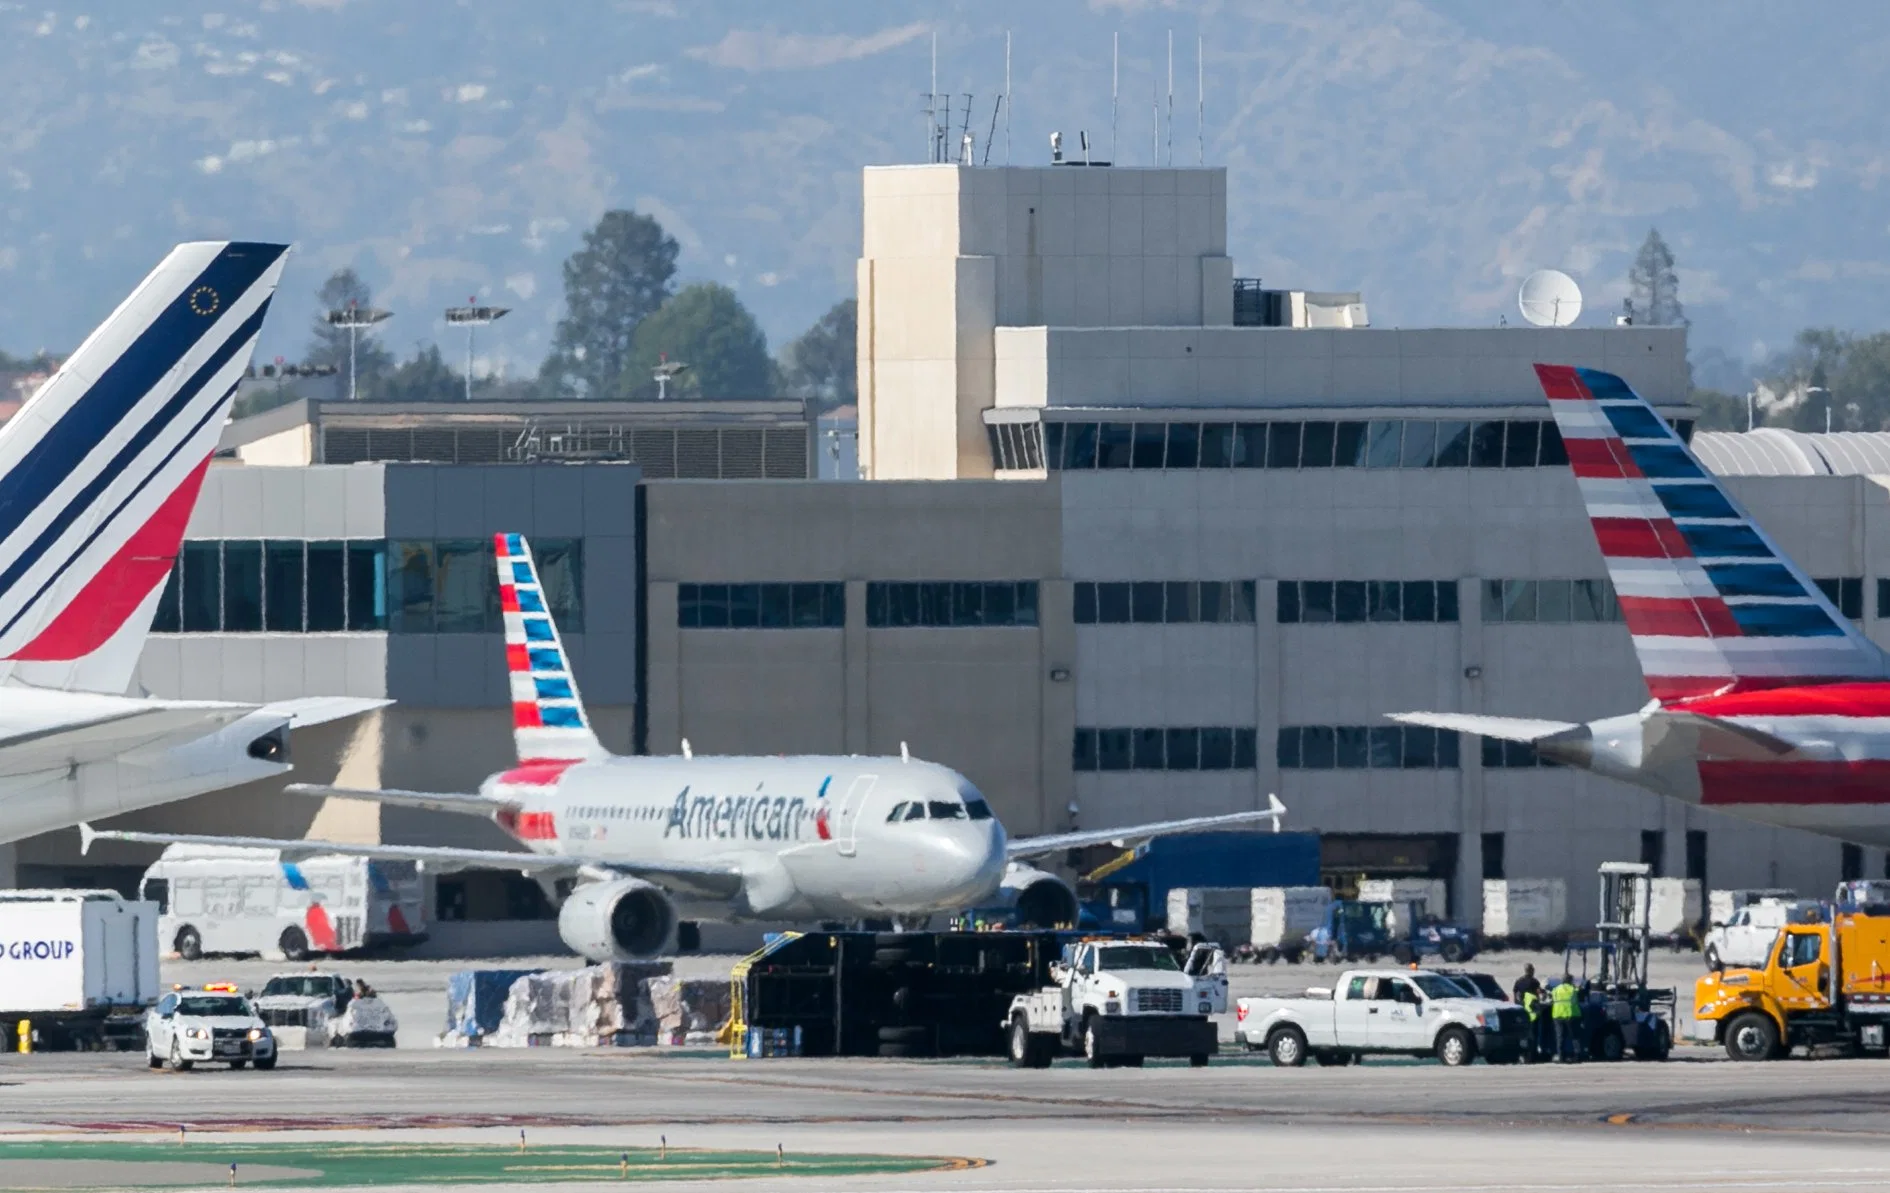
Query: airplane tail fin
(100, 468)
(1710, 600)
(548, 720)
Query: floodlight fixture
(472, 317)
(354, 317)
(666, 369)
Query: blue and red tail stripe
(547, 713)
(1711, 603)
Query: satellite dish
(1550, 298)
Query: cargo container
(80, 966)
(1525, 913)
(1130, 893)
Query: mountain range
(1425, 152)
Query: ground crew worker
(1532, 1006)
(1566, 1010)
(1526, 984)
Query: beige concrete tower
(950, 253)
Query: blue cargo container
(1134, 896)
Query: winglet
(1275, 809)
(87, 835)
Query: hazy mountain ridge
(1429, 154)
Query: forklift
(1621, 1012)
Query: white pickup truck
(1116, 1001)
(1744, 940)
(1408, 1012)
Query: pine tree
(619, 278)
(328, 345)
(1653, 287)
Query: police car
(207, 1023)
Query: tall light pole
(1819, 389)
(665, 371)
(471, 317)
(354, 317)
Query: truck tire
(1456, 1047)
(266, 1063)
(1287, 1047)
(1453, 952)
(1752, 1036)
(294, 943)
(1026, 1051)
(1402, 954)
(1092, 1047)
(1609, 1045)
(189, 943)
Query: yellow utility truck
(1825, 983)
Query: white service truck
(1409, 1012)
(1744, 939)
(79, 966)
(1115, 1001)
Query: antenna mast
(1171, 97)
(1200, 100)
(932, 133)
(1115, 93)
(1008, 105)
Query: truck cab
(213, 1023)
(1115, 1001)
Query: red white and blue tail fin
(1710, 600)
(100, 469)
(548, 718)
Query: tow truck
(212, 1023)
(1822, 984)
(1115, 1001)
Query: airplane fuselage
(811, 836)
(1834, 779)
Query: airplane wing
(317, 710)
(465, 803)
(707, 882)
(1721, 739)
(1027, 847)
(31, 750)
(1506, 728)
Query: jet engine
(616, 921)
(1039, 898)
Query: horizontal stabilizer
(304, 711)
(702, 881)
(1506, 728)
(432, 801)
(1130, 835)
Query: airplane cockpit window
(916, 811)
(898, 812)
(977, 809)
(946, 810)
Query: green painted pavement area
(89, 1163)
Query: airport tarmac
(1686, 1124)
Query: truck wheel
(154, 1060)
(294, 943)
(1751, 1036)
(1023, 1048)
(1287, 1047)
(1611, 1046)
(1402, 954)
(1712, 959)
(1456, 1047)
(1453, 951)
(266, 1063)
(189, 943)
(1092, 1048)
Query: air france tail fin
(548, 720)
(1710, 600)
(100, 469)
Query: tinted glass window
(1386, 746)
(1112, 749)
(1083, 750)
(1520, 451)
(1184, 749)
(1217, 749)
(1286, 610)
(1181, 602)
(282, 586)
(1552, 600)
(1083, 610)
(1553, 450)
(1184, 445)
(367, 586)
(169, 616)
(1348, 448)
(1289, 755)
(1446, 600)
(327, 587)
(1112, 603)
(1315, 445)
(1352, 751)
(744, 606)
(1150, 439)
(1148, 748)
(242, 587)
(1079, 446)
(1383, 449)
(1250, 445)
(1146, 601)
(1115, 445)
(777, 606)
(1316, 601)
(203, 587)
(466, 600)
(1486, 445)
(1317, 748)
(1420, 600)
(1384, 600)
(1453, 444)
(1348, 603)
(1053, 444)
(1283, 445)
(1217, 445)
(1244, 756)
(1420, 443)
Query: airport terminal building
(1136, 539)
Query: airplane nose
(971, 863)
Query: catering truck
(1411, 1012)
(1116, 1001)
(78, 966)
(1822, 984)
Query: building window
(1170, 602)
(799, 606)
(1188, 748)
(288, 586)
(1556, 601)
(1512, 755)
(1380, 443)
(1411, 601)
(1367, 747)
(951, 603)
(1847, 594)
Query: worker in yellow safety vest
(1532, 1006)
(1565, 1009)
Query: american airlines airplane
(1767, 702)
(99, 472)
(652, 841)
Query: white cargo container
(1283, 916)
(1722, 904)
(1223, 914)
(70, 959)
(1672, 907)
(1524, 912)
(1433, 892)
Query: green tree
(618, 279)
(820, 366)
(707, 328)
(423, 377)
(328, 345)
(1653, 286)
